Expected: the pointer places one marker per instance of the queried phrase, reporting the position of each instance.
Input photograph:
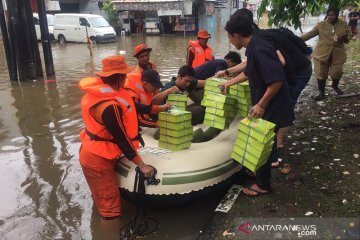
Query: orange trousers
(101, 178)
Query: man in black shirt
(269, 91)
(208, 69)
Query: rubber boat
(186, 174)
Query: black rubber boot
(335, 86)
(321, 85)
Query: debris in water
(356, 155)
(336, 159)
(226, 233)
(323, 113)
(312, 149)
(317, 167)
(309, 213)
(346, 173)
(344, 201)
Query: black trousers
(263, 174)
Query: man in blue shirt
(269, 91)
(208, 69)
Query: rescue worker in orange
(142, 54)
(111, 130)
(199, 51)
(142, 91)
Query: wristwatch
(227, 72)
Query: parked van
(72, 27)
(50, 21)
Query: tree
(289, 12)
(110, 12)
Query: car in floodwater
(72, 27)
(50, 22)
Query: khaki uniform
(329, 55)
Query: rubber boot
(335, 86)
(321, 85)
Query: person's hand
(220, 74)
(174, 89)
(165, 107)
(223, 87)
(256, 111)
(147, 170)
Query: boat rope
(141, 225)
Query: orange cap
(203, 34)
(141, 48)
(113, 65)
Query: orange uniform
(200, 55)
(103, 142)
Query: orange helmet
(141, 48)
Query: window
(83, 22)
(36, 21)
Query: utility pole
(45, 38)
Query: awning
(146, 5)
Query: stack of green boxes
(178, 100)
(175, 129)
(211, 85)
(241, 92)
(220, 110)
(254, 142)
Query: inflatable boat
(186, 174)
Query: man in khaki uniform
(330, 54)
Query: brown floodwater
(44, 194)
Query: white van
(72, 27)
(50, 21)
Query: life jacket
(95, 138)
(137, 72)
(136, 89)
(200, 55)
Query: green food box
(217, 105)
(175, 133)
(252, 167)
(177, 97)
(251, 158)
(219, 112)
(216, 118)
(214, 81)
(175, 116)
(174, 147)
(176, 140)
(178, 105)
(219, 125)
(175, 126)
(244, 101)
(240, 145)
(212, 89)
(243, 107)
(253, 142)
(220, 98)
(257, 128)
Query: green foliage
(289, 12)
(110, 12)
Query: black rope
(141, 225)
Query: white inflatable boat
(203, 166)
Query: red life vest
(95, 138)
(200, 55)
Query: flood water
(44, 194)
